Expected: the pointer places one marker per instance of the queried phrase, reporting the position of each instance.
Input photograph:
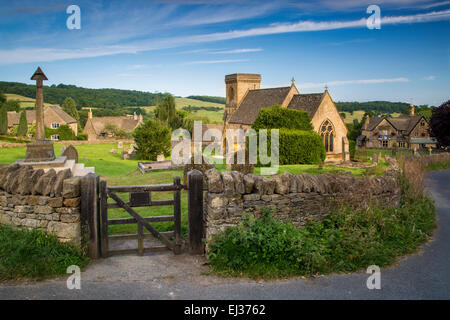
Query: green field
(358, 114)
(25, 102)
(213, 116)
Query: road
(425, 275)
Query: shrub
(277, 117)
(64, 132)
(352, 148)
(3, 120)
(35, 255)
(23, 125)
(152, 138)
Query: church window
(327, 134)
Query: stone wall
(37, 200)
(293, 198)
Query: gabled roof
(402, 123)
(373, 122)
(123, 122)
(255, 100)
(306, 102)
(62, 114)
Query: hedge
(301, 147)
(277, 117)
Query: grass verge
(34, 255)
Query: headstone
(160, 157)
(375, 158)
(63, 148)
(113, 151)
(71, 153)
(120, 145)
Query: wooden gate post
(90, 220)
(195, 205)
(103, 220)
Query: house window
(55, 137)
(327, 133)
(384, 143)
(401, 144)
(55, 125)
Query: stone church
(245, 99)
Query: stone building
(245, 99)
(406, 131)
(54, 117)
(95, 126)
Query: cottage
(95, 126)
(54, 117)
(245, 99)
(406, 131)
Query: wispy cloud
(216, 61)
(236, 51)
(429, 78)
(23, 55)
(347, 82)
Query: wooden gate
(140, 196)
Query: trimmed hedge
(277, 117)
(301, 147)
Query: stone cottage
(245, 99)
(54, 117)
(95, 126)
(406, 131)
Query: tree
(70, 107)
(3, 120)
(152, 138)
(23, 125)
(439, 124)
(2, 98)
(165, 110)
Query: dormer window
(55, 125)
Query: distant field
(358, 114)
(213, 116)
(25, 102)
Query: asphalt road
(425, 275)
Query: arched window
(327, 133)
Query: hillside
(83, 96)
(24, 102)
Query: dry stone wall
(37, 200)
(292, 198)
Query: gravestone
(120, 145)
(63, 148)
(71, 153)
(160, 158)
(375, 158)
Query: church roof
(255, 100)
(306, 102)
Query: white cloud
(429, 78)
(233, 51)
(24, 55)
(346, 82)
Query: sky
(186, 47)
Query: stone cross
(39, 76)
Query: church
(245, 99)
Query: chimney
(90, 113)
(411, 110)
(135, 116)
(366, 123)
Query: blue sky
(186, 47)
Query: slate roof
(373, 122)
(306, 102)
(402, 123)
(255, 100)
(62, 114)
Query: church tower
(237, 85)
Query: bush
(277, 117)
(347, 240)
(352, 148)
(152, 138)
(64, 132)
(35, 255)
(23, 125)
